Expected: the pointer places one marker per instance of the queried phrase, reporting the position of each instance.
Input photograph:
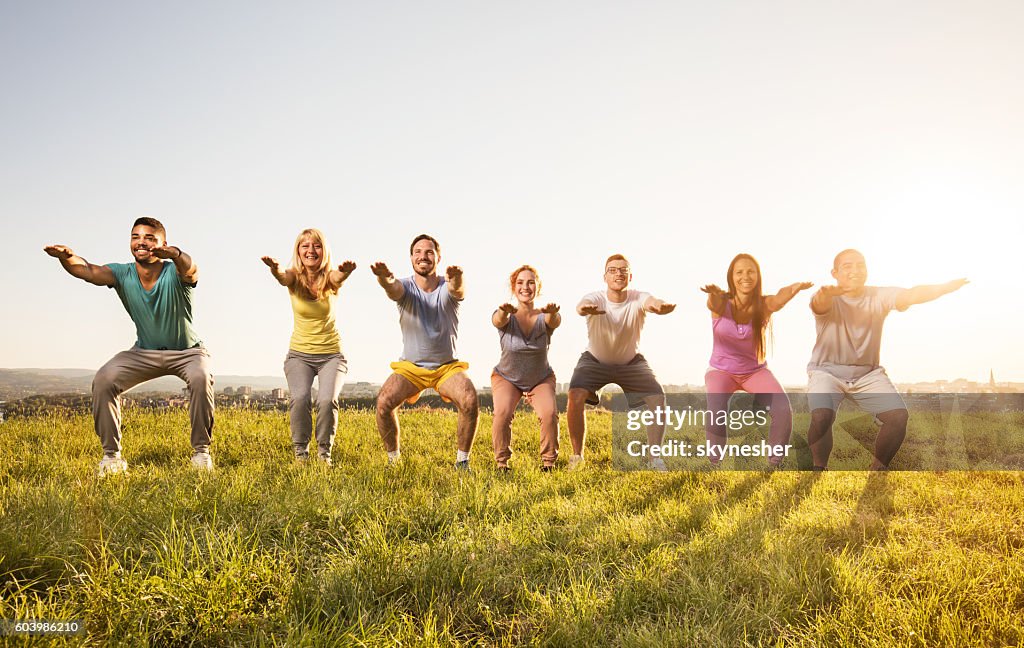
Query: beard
(424, 272)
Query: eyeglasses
(622, 272)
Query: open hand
(590, 309)
(833, 291)
(380, 269)
(165, 252)
(271, 263)
(347, 267)
(550, 309)
(508, 308)
(957, 284)
(453, 272)
(801, 285)
(61, 252)
(663, 308)
(712, 289)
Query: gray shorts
(636, 378)
(873, 392)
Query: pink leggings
(720, 385)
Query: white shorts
(873, 392)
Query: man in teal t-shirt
(156, 290)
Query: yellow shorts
(422, 378)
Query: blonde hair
(316, 286)
(515, 275)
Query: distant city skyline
(678, 134)
(77, 382)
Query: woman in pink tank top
(741, 323)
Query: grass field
(266, 552)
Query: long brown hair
(760, 316)
(318, 283)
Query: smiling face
(851, 270)
(310, 253)
(745, 277)
(424, 258)
(617, 275)
(526, 287)
(144, 239)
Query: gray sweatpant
(299, 371)
(134, 366)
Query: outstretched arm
(587, 307)
(455, 286)
(286, 278)
(338, 277)
(657, 306)
(821, 303)
(552, 318)
(183, 264)
(778, 300)
(922, 294)
(76, 266)
(500, 317)
(716, 298)
(394, 288)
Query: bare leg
(459, 390)
(890, 437)
(819, 436)
(655, 432)
(393, 393)
(577, 419)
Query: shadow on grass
(874, 510)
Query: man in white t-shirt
(615, 318)
(845, 362)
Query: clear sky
(554, 133)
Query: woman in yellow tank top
(315, 347)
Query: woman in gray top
(525, 335)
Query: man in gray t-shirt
(846, 363)
(428, 312)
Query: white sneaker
(111, 464)
(576, 461)
(658, 464)
(202, 461)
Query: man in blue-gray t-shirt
(156, 290)
(428, 308)
(846, 361)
